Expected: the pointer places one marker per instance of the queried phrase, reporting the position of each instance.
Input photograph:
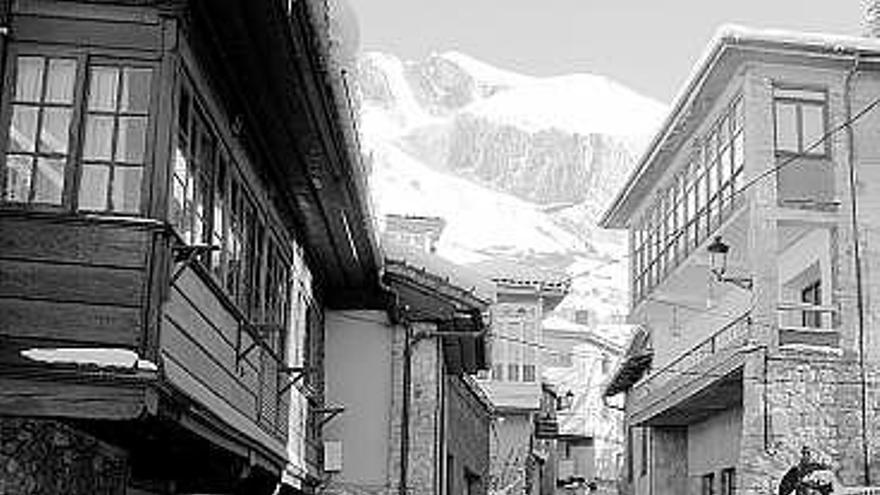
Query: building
(413, 233)
(524, 296)
(415, 420)
(750, 218)
(578, 362)
(181, 211)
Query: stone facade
(815, 402)
(41, 457)
(468, 421)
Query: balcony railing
(735, 334)
(808, 324)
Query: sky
(648, 45)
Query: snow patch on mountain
(485, 74)
(519, 166)
(481, 223)
(580, 104)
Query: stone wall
(809, 401)
(424, 411)
(468, 437)
(39, 457)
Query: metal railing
(807, 316)
(737, 333)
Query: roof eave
(618, 214)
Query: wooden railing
(737, 333)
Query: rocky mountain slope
(519, 166)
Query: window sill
(65, 216)
(784, 155)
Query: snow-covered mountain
(518, 166)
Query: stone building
(524, 297)
(753, 270)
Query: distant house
(751, 220)
(524, 296)
(415, 421)
(578, 362)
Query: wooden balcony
(702, 381)
(222, 362)
(73, 297)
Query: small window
(513, 372)
(800, 121)
(812, 294)
(707, 485)
(728, 481)
(528, 371)
(498, 372)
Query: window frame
(245, 212)
(693, 201)
(728, 481)
(707, 483)
(85, 58)
(799, 103)
(811, 293)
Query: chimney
(872, 18)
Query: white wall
(358, 377)
(714, 443)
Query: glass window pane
(60, 80)
(29, 81)
(49, 180)
(183, 113)
(102, 88)
(127, 189)
(786, 127)
(93, 185)
(99, 138)
(178, 201)
(814, 128)
(738, 151)
(725, 166)
(23, 128)
(738, 114)
(723, 133)
(180, 166)
(55, 130)
(130, 141)
(18, 178)
(135, 90)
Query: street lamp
(718, 251)
(565, 402)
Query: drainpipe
(857, 259)
(403, 489)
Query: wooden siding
(94, 26)
(73, 281)
(69, 399)
(200, 347)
